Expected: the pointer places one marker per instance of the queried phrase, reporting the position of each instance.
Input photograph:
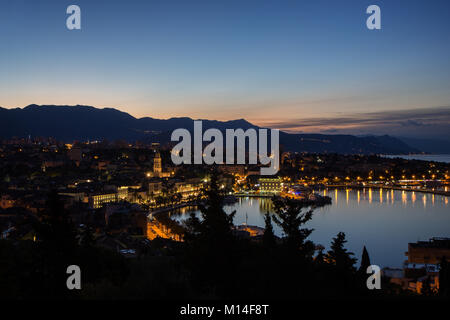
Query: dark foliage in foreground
(37, 269)
(213, 262)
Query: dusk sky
(309, 66)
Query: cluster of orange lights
(370, 177)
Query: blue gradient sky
(271, 62)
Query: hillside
(69, 123)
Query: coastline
(442, 157)
(436, 192)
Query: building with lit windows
(189, 189)
(270, 185)
(428, 252)
(98, 200)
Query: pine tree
(211, 244)
(295, 255)
(268, 236)
(339, 256)
(216, 225)
(290, 218)
(320, 257)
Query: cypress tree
(365, 261)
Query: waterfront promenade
(378, 186)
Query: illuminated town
(225, 159)
(126, 193)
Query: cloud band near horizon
(433, 122)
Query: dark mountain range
(69, 123)
(437, 146)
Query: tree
(290, 218)
(55, 228)
(295, 256)
(268, 236)
(444, 278)
(339, 256)
(365, 261)
(211, 244)
(342, 278)
(216, 225)
(87, 238)
(57, 243)
(320, 257)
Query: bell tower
(157, 167)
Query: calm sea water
(425, 157)
(382, 220)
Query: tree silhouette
(342, 275)
(320, 257)
(211, 243)
(338, 255)
(57, 243)
(87, 238)
(268, 236)
(444, 278)
(290, 218)
(294, 256)
(365, 261)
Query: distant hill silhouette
(437, 146)
(69, 123)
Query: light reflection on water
(382, 220)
